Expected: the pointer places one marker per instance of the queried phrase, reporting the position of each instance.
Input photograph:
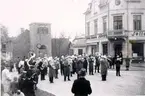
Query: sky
(65, 16)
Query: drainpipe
(127, 32)
(109, 49)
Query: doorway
(117, 48)
(105, 49)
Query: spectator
(6, 79)
(81, 86)
(14, 86)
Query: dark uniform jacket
(81, 87)
(85, 63)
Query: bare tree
(61, 39)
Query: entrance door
(105, 49)
(118, 48)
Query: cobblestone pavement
(131, 83)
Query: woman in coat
(104, 67)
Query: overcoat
(51, 69)
(104, 66)
(81, 87)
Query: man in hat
(97, 65)
(90, 60)
(66, 69)
(51, 69)
(81, 86)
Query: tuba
(32, 55)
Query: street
(130, 83)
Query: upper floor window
(117, 22)
(137, 22)
(42, 30)
(104, 24)
(95, 7)
(88, 28)
(96, 26)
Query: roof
(79, 42)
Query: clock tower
(40, 39)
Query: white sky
(64, 15)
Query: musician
(20, 66)
(26, 66)
(51, 69)
(97, 63)
(28, 84)
(45, 64)
(91, 66)
(21, 80)
(66, 69)
(42, 70)
(56, 62)
(31, 60)
(118, 64)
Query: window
(95, 7)
(95, 27)
(88, 28)
(80, 51)
(104, 25)
(42, 30)
(4, 46)
(118, 22)
(137, 22)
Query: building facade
(21, 44)
(40, 38)
(113, 26)
(78, 46)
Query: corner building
(113, 26)
(40, 38)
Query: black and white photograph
(72, 47)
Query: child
(14, 86)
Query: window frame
(105, 24)
(88, 28)
(118, 23)
(137, 24)
(96, 26)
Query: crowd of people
(29, 70)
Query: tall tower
(40, 38)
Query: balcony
(117, 34)
(137, 35)
(102, 35)
(133, 1)
(91, 36)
